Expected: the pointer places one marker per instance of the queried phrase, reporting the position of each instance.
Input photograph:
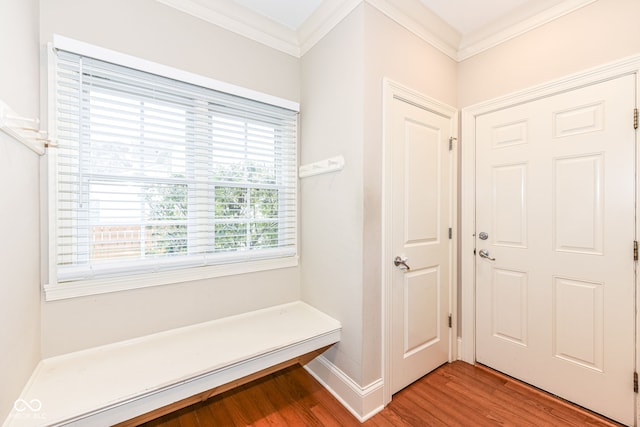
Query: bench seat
(111, 384)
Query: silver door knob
(485, 254)
(402, 263)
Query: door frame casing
(392, 90)
(626, 66)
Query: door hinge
(451, 139)
(451, 325)
(450, 233)
(635, 119)
(635, 250)
(635, 382)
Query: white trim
(411, 14)
(108, 55)
(57, 291)
(390, 91)
(467, 237)
(362, 402)
(454, 348)
(626, 66)
(422, 22)
(514, 25)
(636, 238)
(53, 290)
(52, 177)
(322, 21)
(241, 20)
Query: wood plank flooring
(456, 394)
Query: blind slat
(155, 174)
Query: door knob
(402, 263)
(485, 254)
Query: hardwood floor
(456, 394)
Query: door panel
(510, 220)
(421, 216)
(510, 291)
(422, 309)
(578, 306)
(578, 216)
(555, 194)
(422, 155)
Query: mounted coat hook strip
(23, 129)
(333, 164)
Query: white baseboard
(362, 402)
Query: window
(154, 174)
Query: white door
(556, 203)
(421, 216)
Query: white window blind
(157, 174)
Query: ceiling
(459, 28)
(290, 13)
(465, 16)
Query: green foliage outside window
(247, 218)
(168, 208)
(246, 215)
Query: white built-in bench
(119, 383)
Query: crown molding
(323, 20)
(516, 23)
(421, 21)
(413, 15)
(241, 20)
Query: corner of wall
(19, 189)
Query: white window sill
(53, 292)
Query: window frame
(84, 287)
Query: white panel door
(421, 193)
(555, 284)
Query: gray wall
(19, 209)
(153, 31)
(331, 205)
(341, 213)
